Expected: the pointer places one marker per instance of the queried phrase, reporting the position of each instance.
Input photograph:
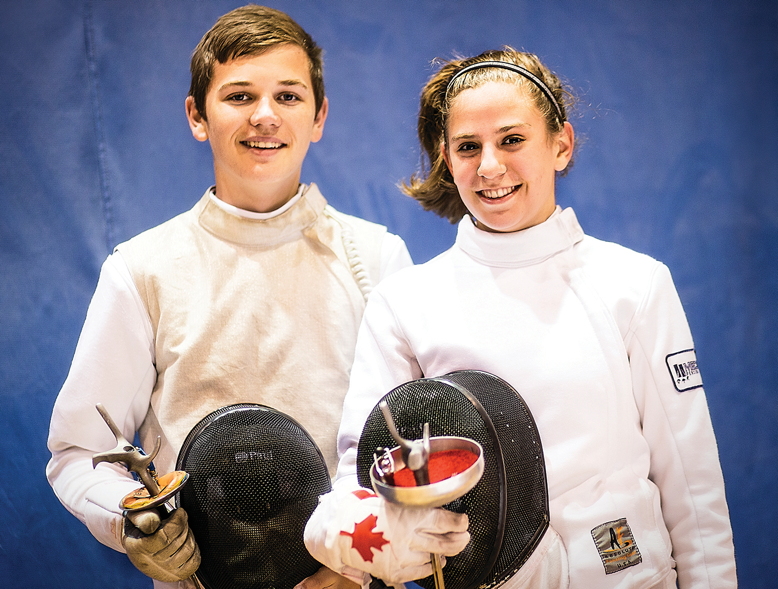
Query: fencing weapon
(156, 491)
(426, 491)
(508, 507)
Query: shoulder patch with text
(684, 370)
(616, 546)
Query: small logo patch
(616, 546)
(684, 370)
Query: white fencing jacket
(594, 338)
(214, 307)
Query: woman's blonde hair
(434, 186)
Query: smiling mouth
(497, 193)
(264, 144)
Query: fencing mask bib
(255, 476)
(508, 508)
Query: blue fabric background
(677, 108)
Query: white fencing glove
(161, 549)
(356, 533)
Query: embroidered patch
(364, 540)
(616, 546)
(684, 370)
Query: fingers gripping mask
(507, 510)
(255, 478)
(390, 542)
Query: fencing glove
(356, 533)
(161, 549)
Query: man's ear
(566, 144)
(318, 122)
(197, 122)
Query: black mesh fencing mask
(508, 508)
(255, 476)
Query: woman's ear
(444, 155)
(197, 122)
(565, 142)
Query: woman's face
(502, 157)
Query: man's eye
(238, 97)
(288, 97)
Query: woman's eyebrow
(504, 129)
(507, 128)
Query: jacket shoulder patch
(684, 370)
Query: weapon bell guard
(156, 491)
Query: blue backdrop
(677, 107)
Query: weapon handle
(114, 429)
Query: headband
(516, 69)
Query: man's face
(261, 119)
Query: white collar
(254, 215)
(520, 248)
(279, 228)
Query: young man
(254, 295)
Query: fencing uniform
(211, 308)
(594, 338)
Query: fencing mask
(508, 508)
(255, 476)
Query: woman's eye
(513, 140)
(466, 147)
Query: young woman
(591, 334)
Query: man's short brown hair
(250, 30)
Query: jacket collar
(520, 248)
(282, 228)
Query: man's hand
(161, 549)
(325, 578)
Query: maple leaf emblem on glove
(363, 539)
